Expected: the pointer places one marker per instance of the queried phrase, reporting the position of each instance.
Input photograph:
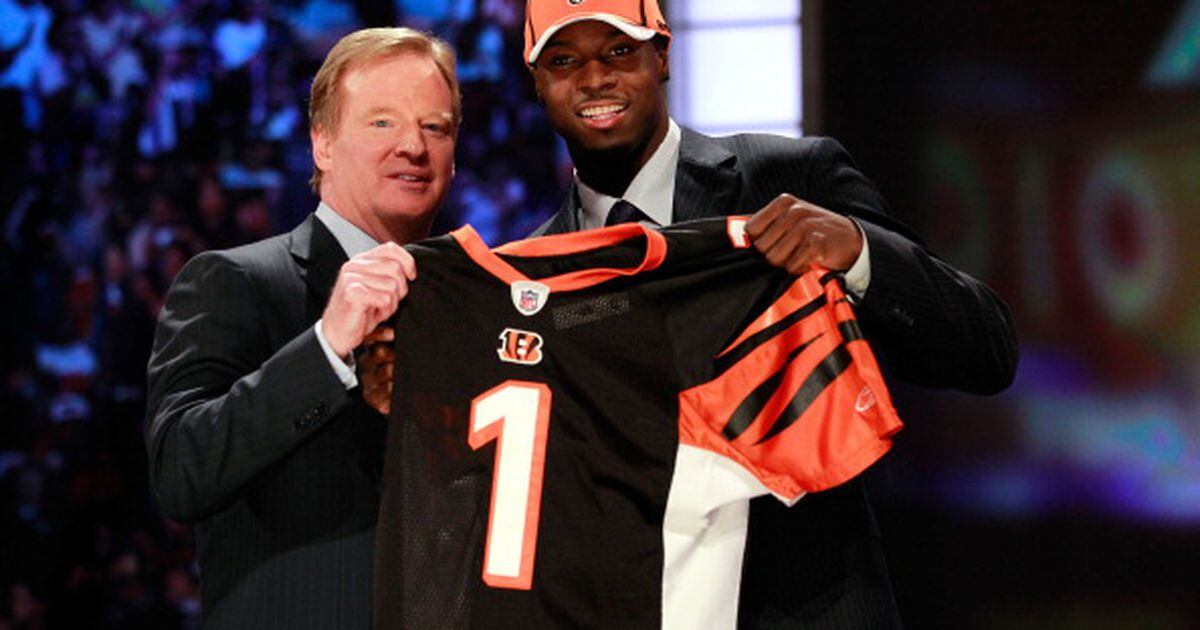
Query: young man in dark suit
(600, 68)
(257, 431)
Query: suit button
(902, 315)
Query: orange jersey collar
(561, 245)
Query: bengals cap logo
(520, 346)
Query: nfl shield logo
(529, 297)
(529, 300)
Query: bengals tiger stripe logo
(520, 346)
(798, 396)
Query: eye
(620, 50)
(441, 129)
(560, 61)
(381, 123)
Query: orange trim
(847, 428)
(561, 245)
(572, 242)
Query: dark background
(1042, 148)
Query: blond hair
(359, 49)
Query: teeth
(592, 112)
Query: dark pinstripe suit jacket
(820, 564)
(252, 437)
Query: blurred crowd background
(134, 134)
(1051, 149)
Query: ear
(322, 149)
(537, 84)
(664, 63)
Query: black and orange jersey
(580, 421)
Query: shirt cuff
(343, 368)
(858, 276)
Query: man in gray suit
(600, 70)
(257, 430)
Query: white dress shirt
(652, 189)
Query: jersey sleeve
(797, 398)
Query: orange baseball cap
(640, 19)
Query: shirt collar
(652, 189)
(353, 240)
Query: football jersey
(579, 422)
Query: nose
(410, 142)
(596, 76)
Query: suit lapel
(566, 219)
(706, 180)
(319, 257)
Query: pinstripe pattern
(252, 437)
(820, 564)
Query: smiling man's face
(388, 164)
(604, 90)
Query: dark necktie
(625, 212)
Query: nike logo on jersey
(866, 400)
(520, 346)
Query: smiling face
(387, 165)
(604, 91)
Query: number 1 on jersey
(517, 415)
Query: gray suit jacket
(252, 437)
(820, 564)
